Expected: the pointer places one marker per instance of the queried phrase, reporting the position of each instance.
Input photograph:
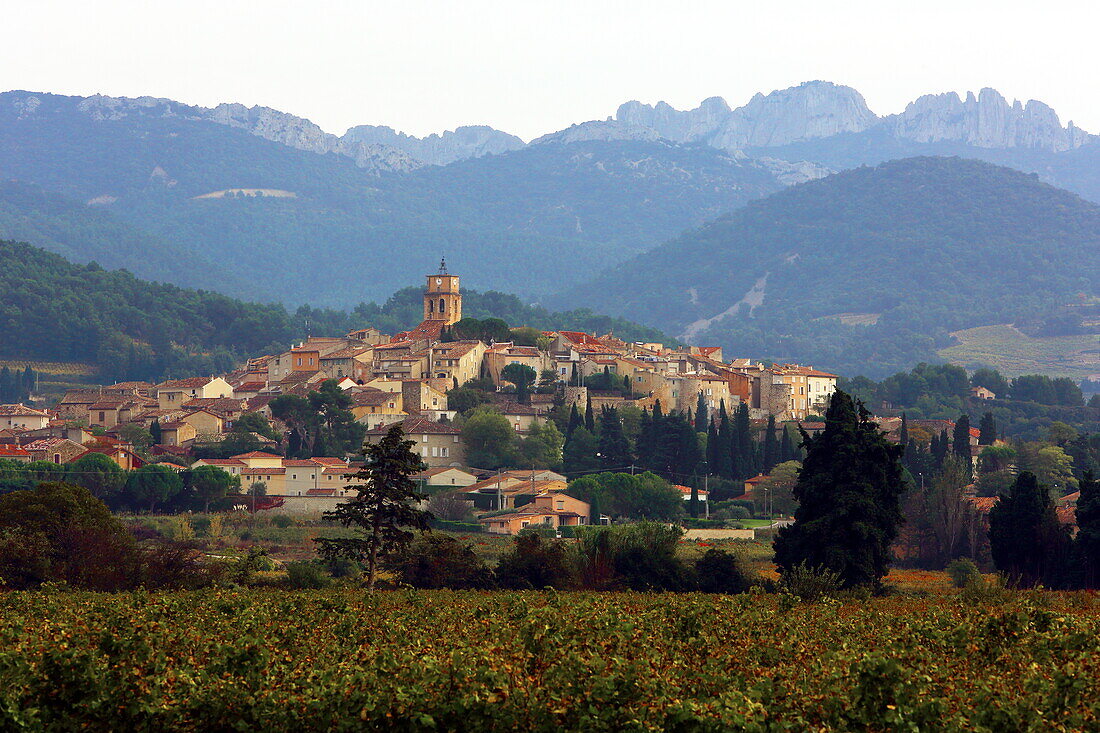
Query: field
(57, 368)
(441, 660)
(1014, 353)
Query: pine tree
(960, 444)
(589, 416)
(385, 504)
(702, 419)
(849, 493)
(988, 429)
(1088, 530)
(771, 447)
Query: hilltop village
(425, 379)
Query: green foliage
(489, 438)
(995, 246)
(962, 571)
(621, 495)
(437, 561)
(384, 505)
(536, 563)
(718, 571)
(306, 575)
(151, 486)
(810, 583)
(849, 494)
(1027, 543)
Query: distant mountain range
(868, 271)
(263, 205)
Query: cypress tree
(940, 448)
(155, 431)
(589, 416)
(849, 493)
(712, 447)
(693, 504)
(787, 451)
(988, 429)
(771, 447)
(903, 432)
(960, 445)
(702, 419)
(722, 454)
(613, 444)
(575, 420)
(746, 449)
(7, 387)
(1025, 539)
(1088, 530)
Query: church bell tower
(442, 298)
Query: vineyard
(440, 660)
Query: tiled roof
(256, 454)
(417, 426)
(10, 451)
(18, 410)
(189, 383)
(529, 512)
(222, 462)
(320, 492)
(373, 397)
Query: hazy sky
(531, 68)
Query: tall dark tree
(614, 447)
(788, 451)
(383, 507)
(7, 386)
(722, 454)
(960, 443)
(1088, 530)
(988, 429)
(746, 447)
(1025, 539)
(522, 376)
(575, 420)
(589, 416)
(849, 493)
(712, 447)
(579, 454)
(940, 447)
(155, 431)
(903, 431)
(771, 447)
(702, 418)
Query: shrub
(809, 584)
(282, 521)
(962, 571)
(306, 575)
(437, 561)
(979, 591)
(344, 568)
(718, 571)
(535, 562)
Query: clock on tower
(442, 297)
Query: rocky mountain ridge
(818, 110)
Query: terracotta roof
(373, 397)
(417, 426)
(8, 451)
(249, 387)
(529, 512)
(222, 462)
(320, 492)
(757, 479)
(18, 410)
(189, 383)
(455, 349)
(46, 443)
(686, 490)
(295, 463)
(256, 454)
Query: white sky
(531, 68)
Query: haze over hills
(264, 205)
(869, 270)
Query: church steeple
(442, 296)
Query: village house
(21, 417)
(550, 511)
(501, 355)
(456, 361)
(437, 444)
(173, 393)
(54, 450)
(445, 477)
(982, 393)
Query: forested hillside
(493, 217)
(868, 270)
(51, 309)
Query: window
(442, 305)
(101, 417)
(431, 306)
(435, 452)
(294, 476)
(299, 361)
(561, 504)
(423, 438)
(57, 458)
(423, 452)
(455, 438)
(524, 523)
(444, 452)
